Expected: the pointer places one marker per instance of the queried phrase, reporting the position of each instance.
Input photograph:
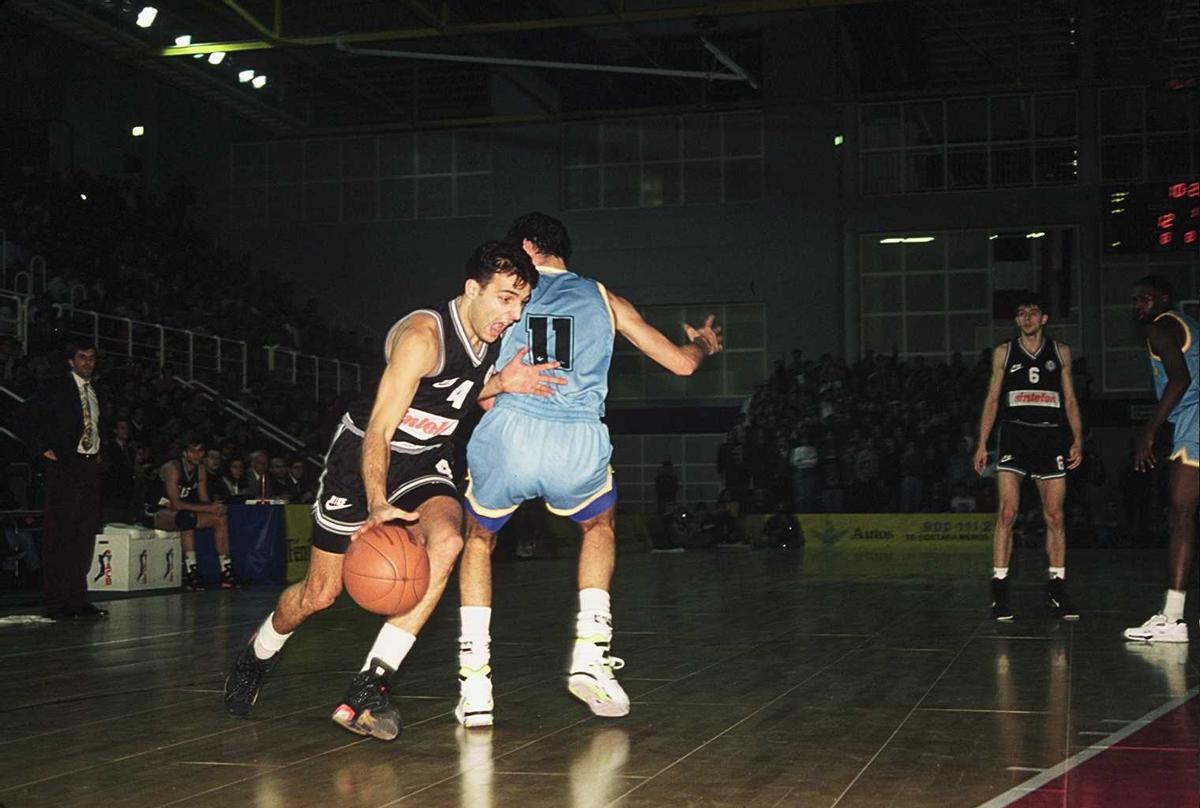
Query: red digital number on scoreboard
(1179, 190)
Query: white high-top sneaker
(591, 679)
(1159, 629)
(475, 703)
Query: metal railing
(321, 374)
(178, 349)
(265, 427)
(16, 324)
(37, 266)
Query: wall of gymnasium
(79, 106)
(783, 250)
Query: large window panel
(660, 161)
(369, 177)
(967, 249)
(880, 293)
(882, 334)
(925, 292)
(1003, 141)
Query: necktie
(89, 425)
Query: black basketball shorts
(341, 504)
(1037, 451)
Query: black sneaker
(1000, 610)
(227, 579)
(191, 578)
(365, 709)
(1059, 601)
(245, 681)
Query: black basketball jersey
(1032, 392)
(189, 484)
(443, 397)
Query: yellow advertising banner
(896, 530)
(297, 528)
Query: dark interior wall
(79, 107)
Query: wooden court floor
(759, 678)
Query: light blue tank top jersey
(568, 319)
(1191, 356)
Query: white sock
(1173, 604)
(224, 560)
(474, 641)
(189, 558)
(268, 641)
(1058, 572)
(1000, 573)
(391, 647)
(594, 618)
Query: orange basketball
(386, 571)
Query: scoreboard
(1158, 217)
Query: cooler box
(128, 558)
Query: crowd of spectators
(111, 248)
(883, 435)
(893, 435)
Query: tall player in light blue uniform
(557, 449)
(1173, 340)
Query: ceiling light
(245, 76)
(197, 55)
(216, 57)
(1036, 234)
(83, 197)
(918, 239)
(259, 82)
(137, 131)
(891, 241)
(145, 17)
(838, 140)
(184, 39)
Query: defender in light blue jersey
(1173, 340)
(557, 448)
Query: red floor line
(1102, 775)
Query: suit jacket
(53, 418)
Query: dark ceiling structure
(341, 64)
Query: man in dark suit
(119, 478)
(62, 424)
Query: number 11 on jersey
(539, 330)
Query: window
(1149, 133)
(731, 373)
(933, 293)
(425, 175)
(954, 144)
(656, 162)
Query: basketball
(386, 571)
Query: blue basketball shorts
(515, 456)
(1185, 447)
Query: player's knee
(320, 595)
(445, 549)
(1007, 515)
(1053, 517)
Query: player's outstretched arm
(1071, 404)
(517, 377)
(413, 354)
(991, 406)
(1165, 340)
(682, 360)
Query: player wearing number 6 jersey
(391, 459)
(556, 448)
(1032, 394)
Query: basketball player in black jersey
(391, 460)
(1031, 392)
(185, 505)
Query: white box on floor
(131, 559)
